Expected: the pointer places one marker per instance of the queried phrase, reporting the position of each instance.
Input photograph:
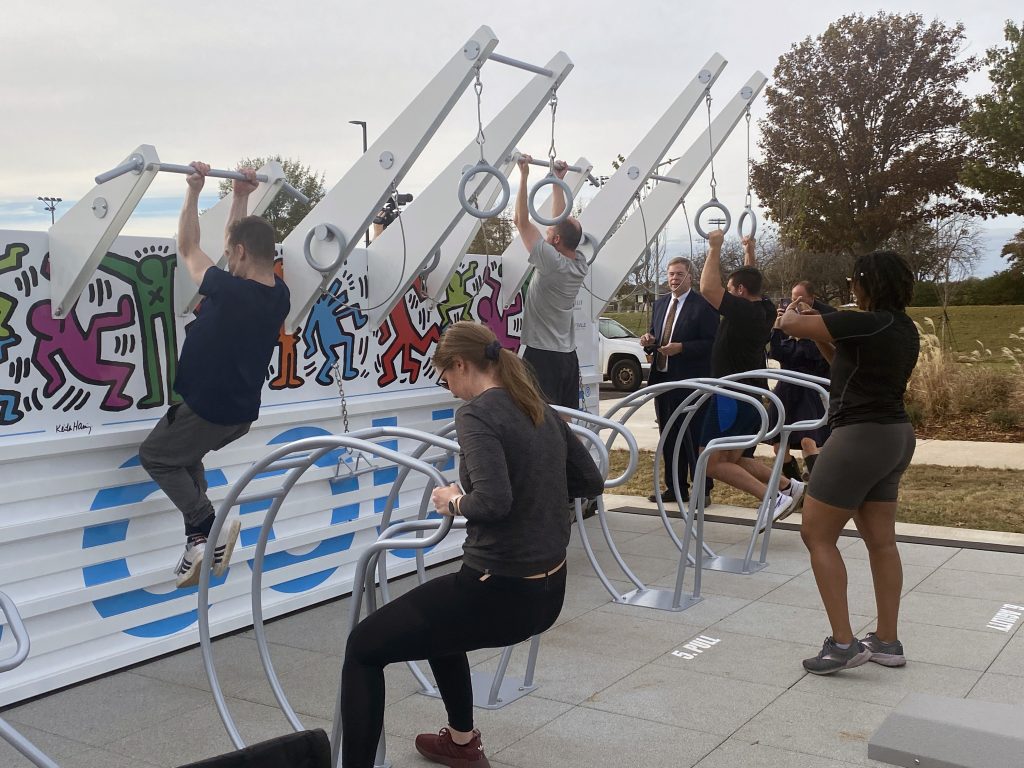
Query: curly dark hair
(886, 280)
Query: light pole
(362, 124)
(50, 204)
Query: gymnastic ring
(554, 181)
(748, 211)
(711, 204)
(330, 232)
(490, 170)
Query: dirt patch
(974, 426)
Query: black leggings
(439, 621)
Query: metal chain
(552, 154)
(341, 393)
(748, 202)
(478, 86)
(711, 147)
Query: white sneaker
(796, 492)
(783, 507)
(186, 572)
(225, 546)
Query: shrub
(1005, 418)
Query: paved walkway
(947, 453)
(619, 686)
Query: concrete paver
(611, 691)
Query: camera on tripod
(390, 211)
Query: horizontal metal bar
(136, 165)
(658, 177)
(249, 498)
(520, 65)
(546, 164)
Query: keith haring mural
(112, 359)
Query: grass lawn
(958, 497)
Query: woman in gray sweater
(519, 462)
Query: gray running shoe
(886, 654)
(833, 658)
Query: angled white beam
(629, 242)
(432, 216)
(607, 207)
(80, 239)
(357, 197)
(211, 232)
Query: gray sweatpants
(173, 454)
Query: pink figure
(80, 350)
(492, 316)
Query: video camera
(390, 211)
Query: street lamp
(362, 124)
(50, 204)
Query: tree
(862, 130)
(996, 126)
(286, 212)
(494, 235)
(1014, 252)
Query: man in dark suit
(682, 333)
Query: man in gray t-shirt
(548, 326)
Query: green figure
(12, 257)
(455, 295)
(152, 280)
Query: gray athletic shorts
(862, 462)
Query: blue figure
(323, 332)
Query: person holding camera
(548, 325)
(519, 462)
(873, 353)
(800, 403)
(683, 328)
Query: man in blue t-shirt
(747, 320)
(221, 369)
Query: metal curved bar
(695, 524)
(490, 170)
(310, 450)
(22, 645)
(617, 428)
(23, 745)
(359, 584)
(709, 205)
(747, 212)
(333, 234)
(566, 190)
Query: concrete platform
(612, 692)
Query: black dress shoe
(669, 496)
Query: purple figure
(494, 318)
(80, 350)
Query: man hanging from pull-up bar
(548, 327)
(222, 366)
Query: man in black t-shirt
(747, 320)
(222, 366)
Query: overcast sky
(83, 84)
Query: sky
(83, 84)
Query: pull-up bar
(520, 65)
(658, 177)
(136, 163)
(573, 168)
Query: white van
(623, 361)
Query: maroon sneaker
(439, 748)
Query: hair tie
(492, 350)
